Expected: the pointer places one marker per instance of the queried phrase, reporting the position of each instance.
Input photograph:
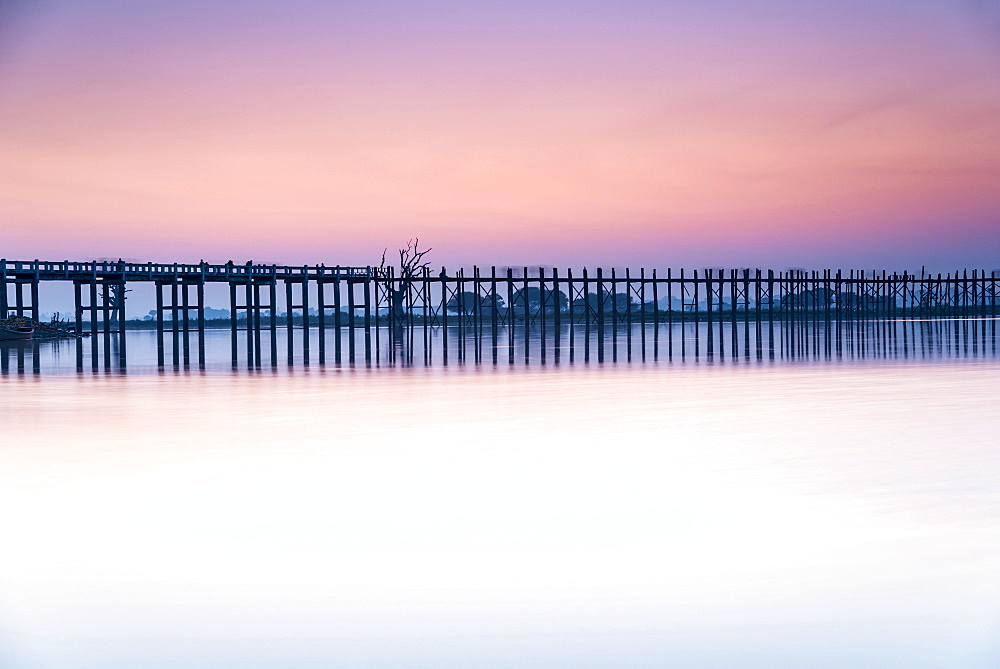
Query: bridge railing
(151, 271)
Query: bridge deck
(202, 272)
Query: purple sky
(659, 134)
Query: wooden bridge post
(684, 314)
(734, 333)
(185, 322)
(620, 318)
(19, 299)
(510, 316)
(642, 300)
(615, 318)
(200, 296)
(785, 309)
(461, 314)
(826, 296)
(527, 315)
(974, 300)
(670, 313)
(106, 326)
(93, 320)
(758, 295)
(818, 285)
(248, 328)
(827, 329)
(35, 313)
(746, 313)
(965, 292)
(709, 296)
(289, 321)
(444, 314)
(981, 300)
(122, 344)
(257, 325)
(789, 309)
(378, 291)
(601, 296)
(993, 293)
(993, 311)
(586, 316)
(427, 312)
(722, 310)
(494, 312)
(273, 315)
(626, 318)
(78, 314)
(234, 323)
(557, 316)
(838, 290)
(350, 320)
(542, 314)
(338, 318)
(368, 316)
(770, 314)
(305, 315)
(572, 317)
(907, 293)
(477, 316)
(697, 315)
(321, 318)
(4, 308)
(656, 318)
(954, 294)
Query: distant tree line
(533, 298)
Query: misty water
(807, 498)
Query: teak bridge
(375, 302)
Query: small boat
(16, 333)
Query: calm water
(728, 343)
(807, 511)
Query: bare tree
(411, 263)
(114, 294)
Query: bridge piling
(106, 323)
(321, 320)
(337, 324)
(305, 316)
(272, 320)
(93, 323)
(257, 335)
(351, 346)
(185, 324)
(4, 305)
(368, 319)
(200, 297)
(234, 325)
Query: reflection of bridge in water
(345, 314)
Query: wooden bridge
(338, 300)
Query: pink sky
(701, 134)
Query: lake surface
(807, 510)
(730, 342)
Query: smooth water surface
(731, 342)
(820, 514)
